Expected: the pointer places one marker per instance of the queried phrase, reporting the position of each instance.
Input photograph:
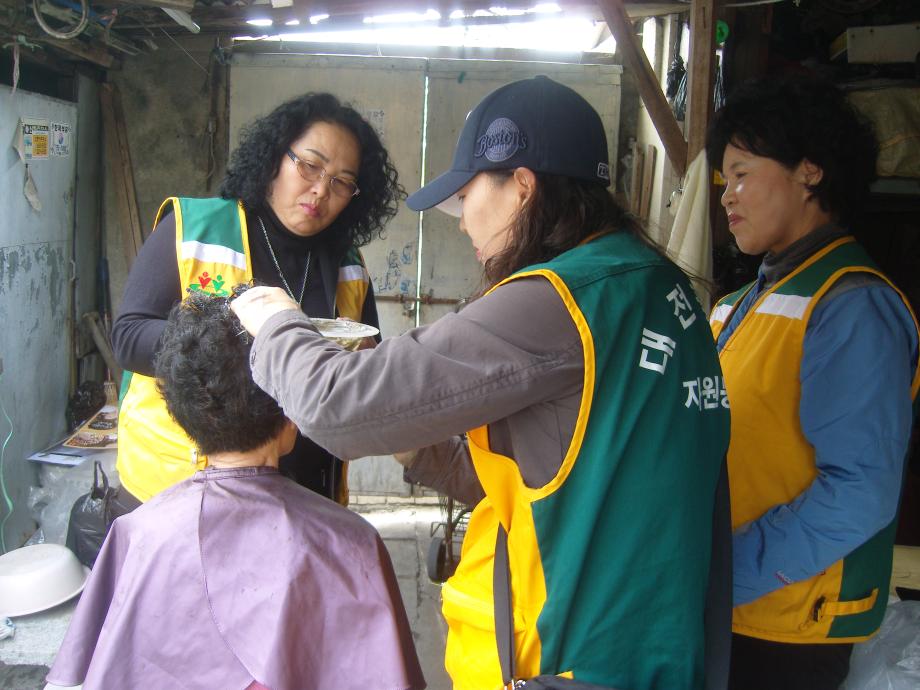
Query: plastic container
(38, 577)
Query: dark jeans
(763, 665)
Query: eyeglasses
(312, 172)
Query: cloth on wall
(895, 115)
(690, 244)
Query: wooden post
(701, 79)
(648, 178)
(118, 161)
(649, 89)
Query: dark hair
(265, 142)
(561, 212)
(796, 118)
(202, 370)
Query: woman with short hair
(820, 361)
(236, 577)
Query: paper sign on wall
(60, 138)
(33, 139)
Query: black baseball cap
(533, 123)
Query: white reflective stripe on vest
(213, 253)
(720, 313)
(791, 306)
(353, 272)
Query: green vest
(609, 560)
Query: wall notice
(33, 139)
(60, 138)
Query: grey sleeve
(512, 349)
(447, 468)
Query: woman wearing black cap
(589, 390)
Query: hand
(255, 306)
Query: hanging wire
(6, 496)
(63, 35)
(188, 54)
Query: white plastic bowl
(38, 577)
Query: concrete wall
(173, 99)
(35, 300)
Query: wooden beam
(186, 5)
(89, 52)
(649, 89)
(118, 162)
(701, 79)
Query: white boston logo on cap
(501, 141)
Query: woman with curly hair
(819, 355)
(308, 185)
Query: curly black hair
(800, 117)
(202, 371)
(265, 142)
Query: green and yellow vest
(212, 251)
(770, 462)
(609, 560)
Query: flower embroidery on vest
(216, 283)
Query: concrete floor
(24, 658)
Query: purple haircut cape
(237, 576)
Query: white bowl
(38, 577)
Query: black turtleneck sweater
(153, 287)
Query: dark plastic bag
(89, 519)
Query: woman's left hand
(255, 306)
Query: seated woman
(236, 577)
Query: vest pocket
(824, 607)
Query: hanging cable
(6, 496)
(63, 35)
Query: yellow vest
(761, 362)
(212, 251)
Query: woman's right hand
(257, 305)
